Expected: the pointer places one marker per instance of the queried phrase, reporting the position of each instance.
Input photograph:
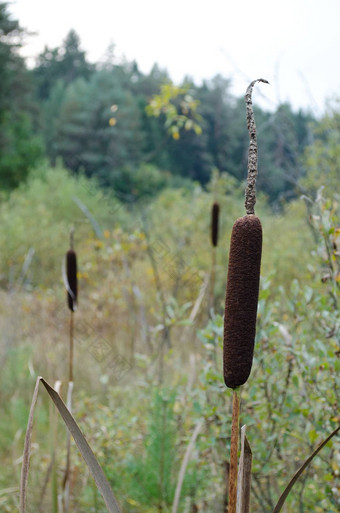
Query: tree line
(131, 130)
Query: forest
(123, 169)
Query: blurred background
(123, 123)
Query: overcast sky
(294, 44)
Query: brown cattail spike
(215, 214)
(72, 281)
(241, 299)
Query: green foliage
(20, 148)
(284, 135)
(144, 183)
(143, 268)
(286, 235)
(48, 201)
(325, 220)
(322, 159)
(140, 432)
(15, 412)
(153, 473)
(221, 124)
(110, 118)
(97, 126)
(290, 402)
(66, 63)
(10, 63)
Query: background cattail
(71, 272)
(241, 299)
(215, 213)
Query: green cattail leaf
(84, 448)
(298, 473)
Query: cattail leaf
(244, 475)
(241, 300)
(27, 452)
(84, 448)
(298, 473)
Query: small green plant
(153, 472)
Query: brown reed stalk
(233, 453)
(242, 295)
(71, 357)
(213, 278)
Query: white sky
(293, 43)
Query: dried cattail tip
(72, 282)
(241, 299)
(215, 213)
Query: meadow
(118, 171)
(148, 336)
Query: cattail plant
(241, 299)
(71, 271)
(242, 296)
(215, 214)
(72, 297)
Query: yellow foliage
(132, 502)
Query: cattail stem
(70, 373)
(72, 238)
(67, 475)
(54, 479)
(233, 453)
(66, 481)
